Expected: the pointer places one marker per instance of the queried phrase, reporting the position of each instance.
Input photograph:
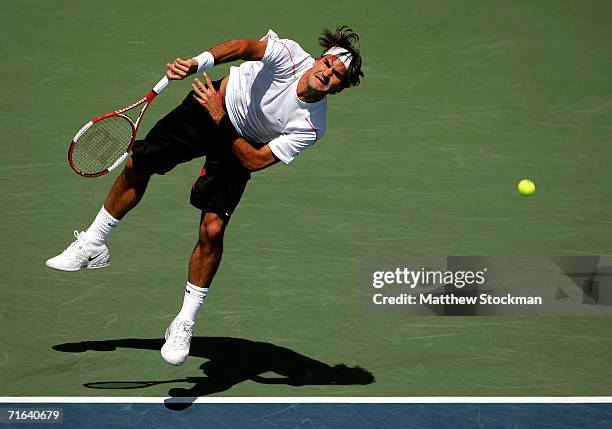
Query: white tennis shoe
(178, 340)
(81, 253)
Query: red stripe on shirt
(291, 58)
(313, 128)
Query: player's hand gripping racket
(106, 141)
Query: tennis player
(271, 108)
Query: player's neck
(305, 93)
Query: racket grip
(161, 85)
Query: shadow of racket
(140, 384)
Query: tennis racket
(106, 141)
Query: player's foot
(81, 253)
(178, 340)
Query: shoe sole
(95, 267)
(62, 269)
(90, 267)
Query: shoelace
(181, 334)
(75, 245)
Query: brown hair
(346, 38)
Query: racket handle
(161, 85)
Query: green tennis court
(460, 101)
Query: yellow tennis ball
(526, 187)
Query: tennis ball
(526, 187)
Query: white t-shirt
(262, 102)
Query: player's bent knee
(212, 228)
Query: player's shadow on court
(230, 361)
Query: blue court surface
(323, 415)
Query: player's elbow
(254, 164)
(251, 157)
(258, 162)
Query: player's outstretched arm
(232, 50)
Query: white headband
(340, 53)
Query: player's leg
(173, 140)
(206, 255)
(90, 249)
(203, 265)
(127, 191)
(217, 193)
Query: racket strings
(102, 144)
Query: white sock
(194, 298)
(101, 227)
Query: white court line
(310, 400)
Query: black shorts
(188, 132)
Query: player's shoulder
(287, 49)
(293, 46)
(272, 36)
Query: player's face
(327, 75)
